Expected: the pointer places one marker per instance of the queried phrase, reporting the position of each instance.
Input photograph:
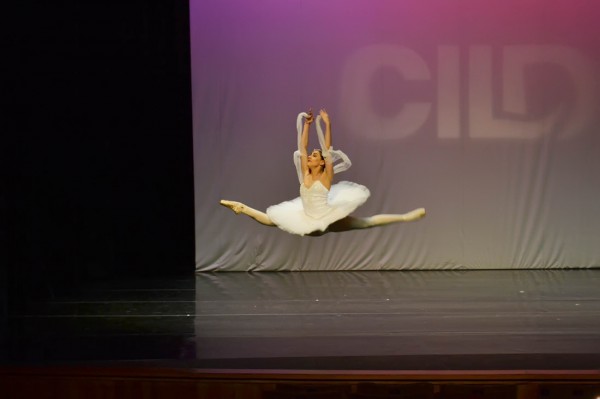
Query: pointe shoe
(415, 215)
(237, 207)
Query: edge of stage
(137, 381)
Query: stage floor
(417, 320)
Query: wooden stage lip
(302, 375)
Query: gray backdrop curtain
(485, 113)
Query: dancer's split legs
(346, 224)
(257, 215)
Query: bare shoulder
(326, 180)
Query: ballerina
(322, 207)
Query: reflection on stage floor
(400, 320)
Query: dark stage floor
(454, 320)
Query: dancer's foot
(415, 215)
(237, 207)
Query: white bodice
(314, 199)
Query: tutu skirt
(317, 207)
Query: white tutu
(317, 207)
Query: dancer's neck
(316, 174)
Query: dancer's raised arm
(328, 161)
(304, 143)
(325, 116)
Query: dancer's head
(316, 160)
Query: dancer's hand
(324, 116)
(310, 118)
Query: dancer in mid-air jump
(322, 207)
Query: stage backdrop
(486, 113)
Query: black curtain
(98, 150)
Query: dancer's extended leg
(238, 208)
(356, 223)
(382, 220)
